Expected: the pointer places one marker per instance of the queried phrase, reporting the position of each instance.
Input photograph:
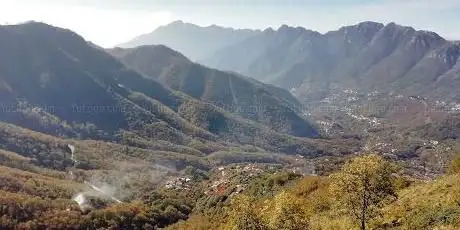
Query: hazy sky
(110, 22)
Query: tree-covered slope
(268, 105)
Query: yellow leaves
(286, 211)
(315, 191)
(366, 165)
(362, 185)
(427, 205)
(331, 221)
(244, 214)
(290, 209)
(307, 204)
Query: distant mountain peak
(285, 27)
(431, 34)
(31, 24)
(417, 34)
(290, 29)
(269, 30)
(367, 28)
(393, 25)
(364, 25)
(370, 24)
(180, 23)
(177, 22)
(194, 41)
(45, 31)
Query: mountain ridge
(247, 98)
(367, 56)
(201, 40)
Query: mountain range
(367, 57)
(194, 41)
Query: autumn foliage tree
(362, 185)
(244, 214)
(286, 211)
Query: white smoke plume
(82, 202)
(118, 184)
(105, 191)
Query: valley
(255, 131)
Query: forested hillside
(271, 106)
(365, 194)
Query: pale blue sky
(110, 22)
